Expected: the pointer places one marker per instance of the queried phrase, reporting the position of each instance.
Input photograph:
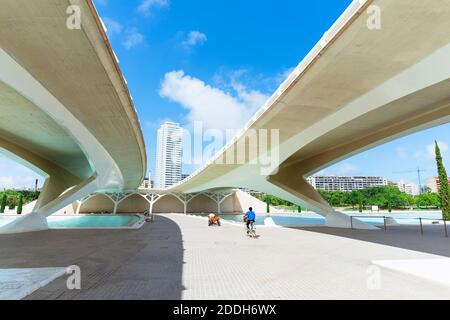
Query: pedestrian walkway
(179, 257)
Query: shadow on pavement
(115, 264)
(433, 240)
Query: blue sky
(235, 53)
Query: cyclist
(250, 218)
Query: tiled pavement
(180, 257)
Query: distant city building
(146, 184)
(409, 188)
(168, 155)
(434, 184)
(184, 176)
(339, 183)
(392, 184)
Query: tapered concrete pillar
(152, 198)
(290, 179)
(37, 220)
(150, 209)
(341, 220)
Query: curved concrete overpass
(359, 87)
(65, 107)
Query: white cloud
(19, 181)
(267, 83)
(146, 5)
(341, 169)
(346, 169)
(431, 149)
(6, 182)
(132, 38)
(194, 38)
(24, 170)
(428, 152)
(283, 75)
(216, 108)
(112, 26)
(17, 176)
(402, 153)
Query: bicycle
(251, 231)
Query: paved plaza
(179, 257)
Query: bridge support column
(152, 198)
(341, 220)
(184, 198)
(61, 187)
(218, 198)
(117, 199)
(77, 211)
(37, 220)
(292, 183)
(83, 201)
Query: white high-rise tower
(168, 155)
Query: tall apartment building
(409, 188)
(339, 183)
(169, 152)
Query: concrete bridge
(66, 110)
(65, 107)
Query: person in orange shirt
(214, 219)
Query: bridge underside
(65, 108)
(358, 88)
(225, 201)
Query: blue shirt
(250, 215)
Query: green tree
(428, 200)
(20, 204)
(407, 200)
(3, 202)
(337, 198)
(352, 198)
(326, 195)
(389, 200)
(444, 192)
(360, 198)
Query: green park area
(15, 200)
(386, 198)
